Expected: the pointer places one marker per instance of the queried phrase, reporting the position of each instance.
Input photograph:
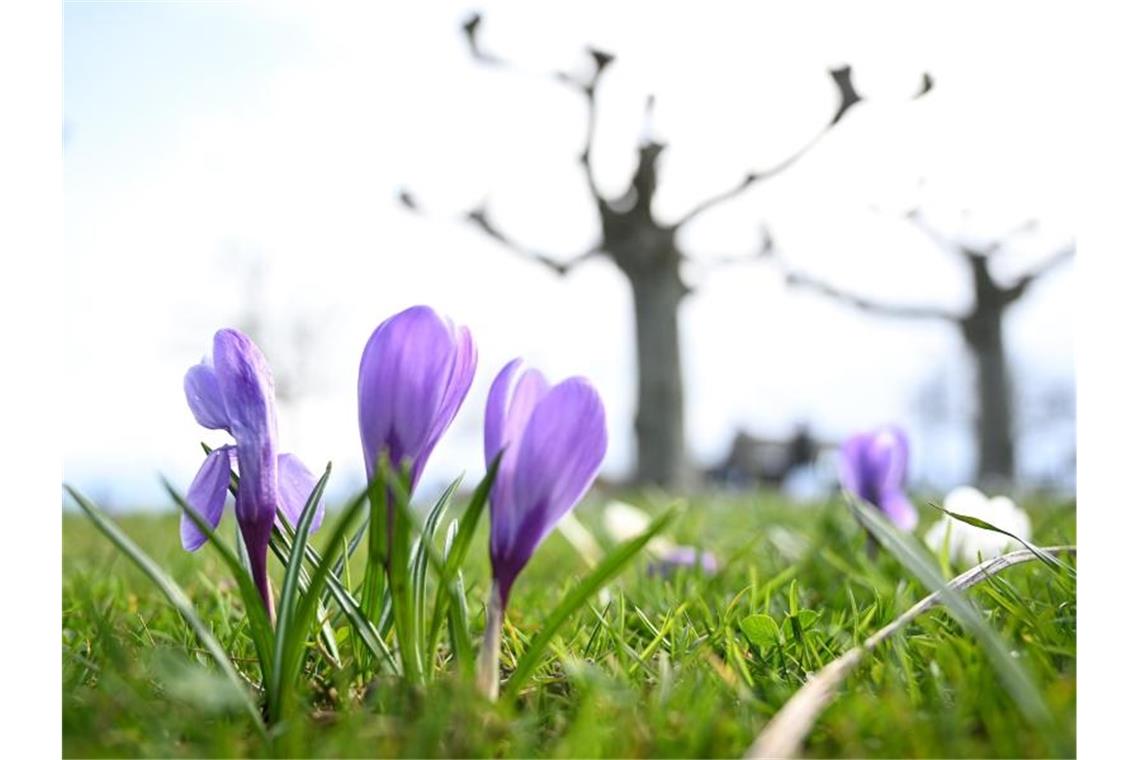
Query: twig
(784, 734)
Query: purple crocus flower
(415, 372)
(690, 557)
(552, 439)
(873, 465)
(232, 390)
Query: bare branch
(926, 86)
(588, 88)
(767, 248)
(915, 217)
(1027, 226)
(478, 217)
(901, 311)
(1023, 283)
(471, 31)
(848, 97)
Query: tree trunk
(660, 421)
(993, 422)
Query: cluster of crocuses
(873, 467)
(548, 442)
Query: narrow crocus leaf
(287, 624)
(903, 546)
(578, 595)
(420, 563)
(177, 598)
(281, 544)
(978, 522)
(347, 555)
(334, 591)
(448, 592)
(397, 486)
(456, 611)
(307, 605)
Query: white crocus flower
(966, 542)
(625, 521)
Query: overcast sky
(203, 137)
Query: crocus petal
(889, 452)
(404, 372)
(207, 495)
(687, 557)
(898, 509)
(873, 466)
(246, 385)
(295, 483)
(458, 384)
(204, 397)
(510, 405)
(558, 458)
(497, 401)
(851, 468)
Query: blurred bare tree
(981, 328)
(644, 248)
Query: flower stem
(487, 674)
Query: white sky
(201, 133)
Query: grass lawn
(660, 668)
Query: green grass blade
(177, 598)
(610, 566)
(904, 547)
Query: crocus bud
(415, 372)
(873, 466)
(552, 440)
